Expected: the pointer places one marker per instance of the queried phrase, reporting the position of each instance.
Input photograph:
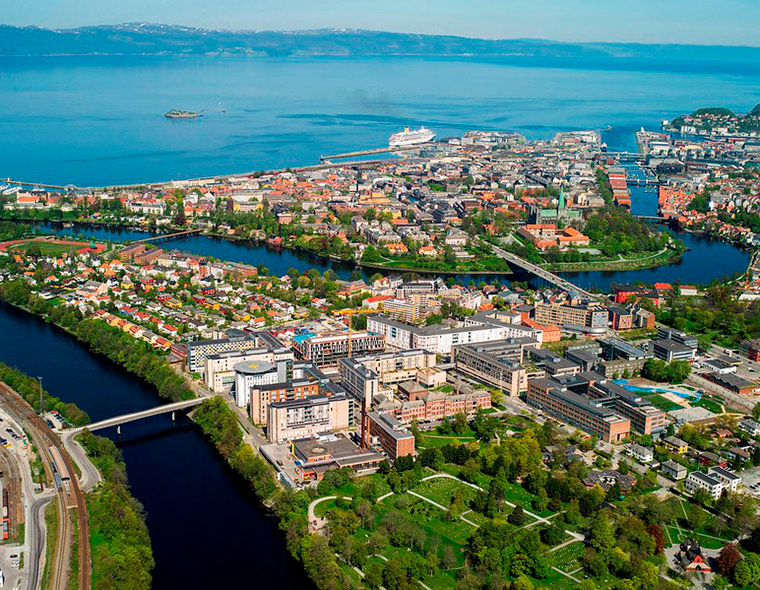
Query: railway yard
(37, 473)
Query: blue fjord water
(98, 120)
(94, 120)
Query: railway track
(69, 497)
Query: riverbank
(661, 258)
(122, 554)
(173, 470)
(219, 425)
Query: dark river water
(207, 529)
(705, 261)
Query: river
(97, 120)
(207, 529)
(705, 261)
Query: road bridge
(643, 181)
(124, 418)
(542, 273)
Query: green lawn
(568, 558)
(708, 404)
(707, 540)
(441, 490)
(431, 519)
(440, 440)
(662, 403)
(48, 248)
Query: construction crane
(349, 313)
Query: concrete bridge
(124, 418)
(542, 273)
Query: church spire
(561, 200)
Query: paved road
(70, 495)
(540, 272)
(90, 477)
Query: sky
(700, 22)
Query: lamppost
(42, 409)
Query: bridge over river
(124, 418)
(542, 273)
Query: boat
(406, 137)
(175, 114)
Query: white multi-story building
(440, 339)
(701, 481)
(219, 371)
(253, 374)
(729, 479)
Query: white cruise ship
(406, 138)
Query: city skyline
(559, 20)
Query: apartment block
(581, 315)
(557, 399)
(328, 349)
(499, 364)
(307, 417)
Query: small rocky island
(175, 114)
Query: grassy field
(48, 248)
(442, 489)
(568, 558)
(662, 403)
(677, 535)
(709, 404)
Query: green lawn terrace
(671, 398)
(50, 247)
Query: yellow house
(675, 445)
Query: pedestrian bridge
(124, 418)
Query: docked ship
(407, 138)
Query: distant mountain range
(154, 39)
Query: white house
(729, 479)
(701, 481)
(640, 453)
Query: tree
(373, 575)
(727, 559)
(459, 425)
(602, 534)
(553, 534)
(449, 558)
(517, 516)
(756, 411)
(655, 530)
(747, 571)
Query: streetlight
(42, 409)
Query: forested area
(718, 317)
(29, 388)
